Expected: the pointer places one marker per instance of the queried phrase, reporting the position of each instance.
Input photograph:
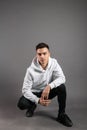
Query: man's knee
(62, 88)
(21, 103)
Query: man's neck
(44, 67)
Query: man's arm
(26, 89)
(58, 76)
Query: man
(43, 81)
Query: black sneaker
(30, 112)
(64, 119)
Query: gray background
(25, 23)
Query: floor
(12, 118)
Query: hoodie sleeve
(58, 76)
(26, 89)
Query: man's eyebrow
(42, 53)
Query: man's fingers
(46, 101)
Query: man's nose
(42, 56)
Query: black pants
(59, 91)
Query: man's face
(43, 56)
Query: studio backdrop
(60, 23)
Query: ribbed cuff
(52, 85)
(36, 100)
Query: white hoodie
(36, 79)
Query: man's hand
(44, 97)
(44, 102)
(45, 93)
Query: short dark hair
(42, 45)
